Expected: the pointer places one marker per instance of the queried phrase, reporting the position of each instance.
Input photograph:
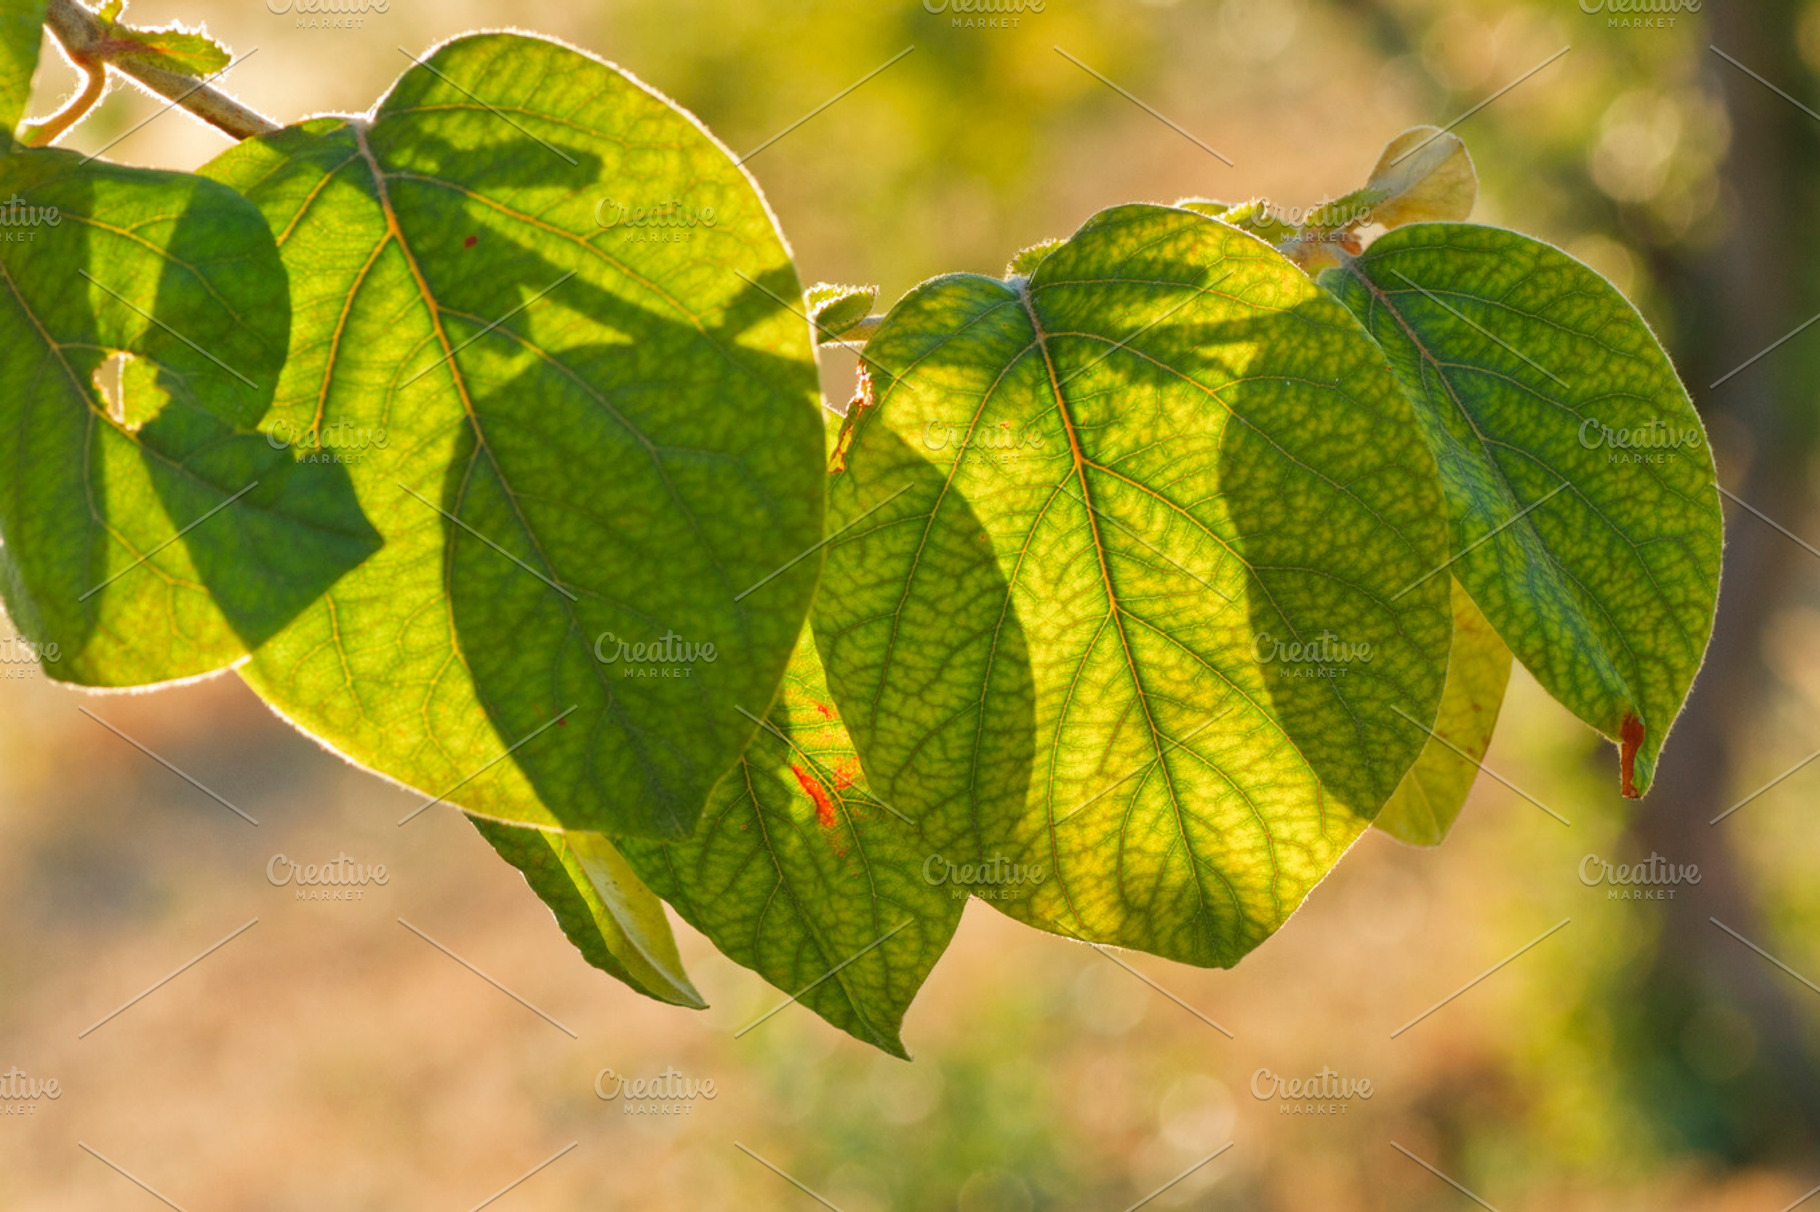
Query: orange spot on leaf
(824, 807)
(1630, 739)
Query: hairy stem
(47, 132)
(84, 37)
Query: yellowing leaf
(1427, 176)
(1435, 789)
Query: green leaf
(611, 917)
(1431, 795)
(175, 49)
(595, 438)
(161, 538)
(1025, 262)
(1083, 515)
(799, 873)
(1598, 564)
(21, 33)
(835, 310)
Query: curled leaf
(835, 310)
(1426, 176)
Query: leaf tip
(1630, 740)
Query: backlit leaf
(1579, 482)
(600, 477)
(601, 905)
(799, 873)
(1431, 795)
(1424, 175)
(1112, 592)
(21, 33)
(158, 538)
(175, 49)
(834, 309)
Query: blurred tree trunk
(1748, 291)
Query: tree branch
(83, 36)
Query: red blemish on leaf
(827, 711)
(1630, 739)
(470, 242)
(824, 807)
(845, 773)
(856, 409)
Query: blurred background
(1640, 1057)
